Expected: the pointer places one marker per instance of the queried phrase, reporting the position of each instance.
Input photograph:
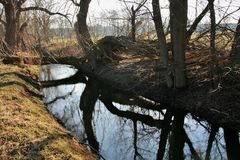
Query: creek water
(126, 129)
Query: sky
(98, 6)
(104, 5)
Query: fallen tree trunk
(139, 73)
(195, 99)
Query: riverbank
(134, 68)
(28, 131)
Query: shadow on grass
(36, 148)
(27, 79)
(5, 84)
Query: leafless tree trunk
(164, 135)
(133, 22)
(20, 41)
(178, 23)
(12, 20)
(13, 10)
(87, 104)
(177, 140)
(213, 132)
(157, 18)
(214, 63)
(81, 27)
(133, 15)
(42, 22)
(195, 23)
(235, 51)
(232, 144)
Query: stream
(117, 126)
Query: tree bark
(87, 103)
(133, 15)
(177, 140)
(11, 24)
(235, 51)
(164, 135)
(13, 10)
(83, 34)
(212, 135)
(133, 24)
(232, 144)
(164, 57)
(178, 23)
(214, 64)
(195, 23)
(20, 41)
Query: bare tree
(178, 23)
(20, 41)
(212, 136)
(133, 18)
(40, 22)
(39, 27)
(157, 18)
(2, 23)
(81, 27)
(214, 63)
(195, 23)
(231, 138)
(13, 10)
(134, 12)
(177, 138)
(235, 51)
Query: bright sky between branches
(103, 6)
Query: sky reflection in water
(120, 136)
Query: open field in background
(69, 44)
(223, 41)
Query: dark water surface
(122, 127)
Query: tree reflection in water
(87, 102)
(122, 127)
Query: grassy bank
(28, 131)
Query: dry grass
(28, 131)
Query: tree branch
(3, 2)
(146, 119)
(196, 22)
(76, 78)
(20, 2)
(1, 20)
(142, 3)
(228, 15)
(75, 3)
(125, 4)
(37, 8)
(213, 132)
(164, 61)
(190, 145)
